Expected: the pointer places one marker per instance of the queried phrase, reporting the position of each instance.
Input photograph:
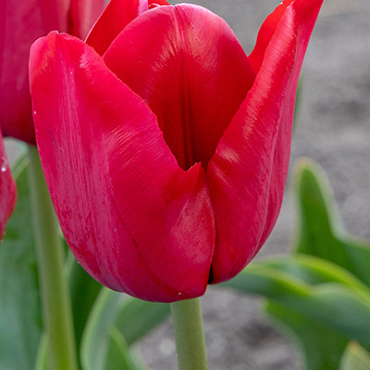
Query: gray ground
(334, 130)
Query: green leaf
(321, 346)
(314, 271)
(112, 314)
(136, 318)
(20, 310)
(320, 302)
(341, 308)
(355, 358)
(42, 360)
(119, 356)
(84, 291)
(320, 231)
(95, 340)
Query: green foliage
(355, 358)
(320, 295)
(137, 318)
(320, 232)
(115, 323)
(84, 291)
(119, 356)
(319, 344)
(95, 341)
(20, 308)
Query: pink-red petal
(116, 16)
(187, 64)
(265, 34)
(21, 23)
(82, 15)
(248, 172)
(8, 191)
(125, 207)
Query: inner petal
(188, 66)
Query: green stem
(57, 313)
(190, 343)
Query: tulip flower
(8, 191)
(22, 22)
(165, 148)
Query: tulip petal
(116, 16)
(82, 15)
(135, 220)
(8, 191)
(247, 174)
(187, 64)
(21, 23)
(265, 33)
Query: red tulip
(166, 157)
(8, 191)
(22, 22)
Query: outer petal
(8, 191)
(265, 33)
(187, 64)
(247, 174)
(21, 23)
(151, 234)
(117, 15)
(83, 14)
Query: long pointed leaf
(95, 340)
(20, 310)
(84, 291)
(321, 346)
(119, 356)
(339, 307)
(320, 231)
(137, 318)
(355, 358)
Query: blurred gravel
(333, 129)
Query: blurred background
(333, 128)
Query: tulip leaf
(342, 308)
(119, 356)
(42, 360)
(20, 308)
(95, 339)
(116, 321)
(314, 271)
(355, 358)
(137, 318)
(321, 303)
(321, 346)
(84, 291)
(320, 231)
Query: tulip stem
(189, 335)
(57, 312)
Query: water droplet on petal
(4, 164)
